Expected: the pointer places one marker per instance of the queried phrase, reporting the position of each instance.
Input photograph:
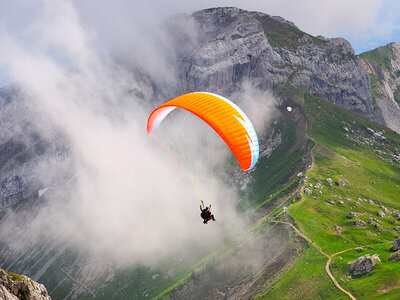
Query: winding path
(325, 254)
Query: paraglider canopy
(225, 117)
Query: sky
(367, 24)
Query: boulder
(307, 191)
(396, 245)
(363, 265)
(329, 180)
(360, 223)
(381, 214)
(395, 257)
(341, 202)
(341, 183)
(351, 215)
(370, 221)
(396, 228)
(318, 185)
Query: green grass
(306, 279)
(283, 35)
(375, 84)
(396, 94)
(380, 56)
(382, 282)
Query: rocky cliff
(20, 287)
(234, 46)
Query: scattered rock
(371, 202)
(396, 214)
(379, 136)
(318, 185)
(376, 226)
(363, 265)
(307, 191)
(341, 183)
(370, 130)
(397, 228)
(320, 192)
(300, 174)
(359, 249)
(329, 180)
(348, 199)
(310, 185)
(381, 214)
(396, 245)
(338, 229)
(351, 215)
(360, 223)
(341, 202)
(346, 129)
(370, 221)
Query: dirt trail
(328, 271)
(325, 254)
(78, 282)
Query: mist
(120, 194)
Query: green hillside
(346, 151)
(342, 149)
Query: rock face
(235, 45)
(14, 287)
(363, 265)
(12, 190)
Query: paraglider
(206, 214)
(225, 118)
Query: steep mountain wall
(236, 45)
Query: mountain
(324, 192)
(383, 67)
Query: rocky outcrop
(14, 287)
(363, 265)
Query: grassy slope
(371, 176)
(380, 56)
(308, 271)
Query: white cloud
(128, 201)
